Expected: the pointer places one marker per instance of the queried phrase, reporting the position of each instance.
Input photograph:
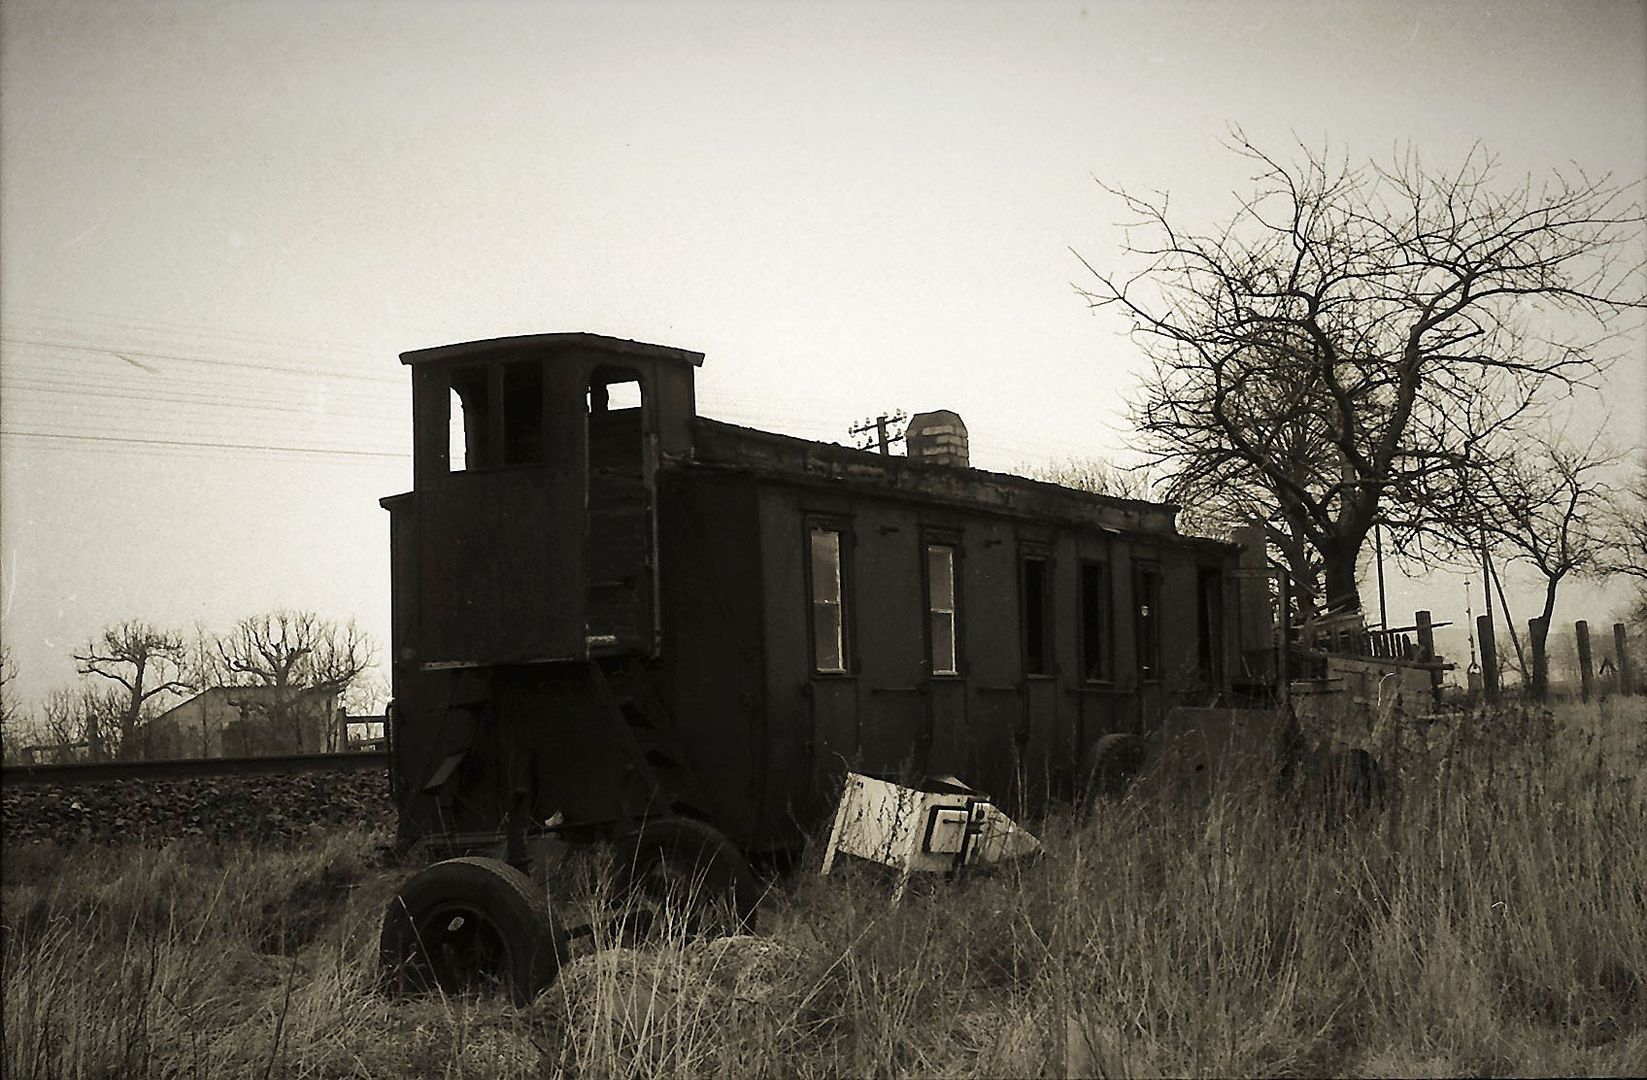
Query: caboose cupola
(529, 533)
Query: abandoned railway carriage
(609, 611)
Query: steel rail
(106, 771)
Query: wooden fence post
(1586, 675)
(1489, 657)
(1537, 634)
(1426, 651)
(1626, 674)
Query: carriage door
(620, 583)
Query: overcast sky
(220, 223)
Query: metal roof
(532, 342)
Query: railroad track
(102, 771)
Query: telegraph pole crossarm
(878, 425)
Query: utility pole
(878, 426)
(1378, 550)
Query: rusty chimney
(938, 436)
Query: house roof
(250, 694)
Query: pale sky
(220, 224)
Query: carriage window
(1147, 618)
(470, 433)
(1210, 622)
(1035, 609)
(1095, 628)
(940, 591)
(828, 602)
(522, 412)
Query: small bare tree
(1626, 524)
(75, 719)
(147, 664)
(1542, 502)
(1103, 477)
(296, 654)
(1354, 330)
(11, 718)
(1096, 475)
(366, 696)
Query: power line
(239, 339)
(211, 416)
(320, 404)
(79, 401)
(206, 393)
(205, 444)
(122, 353)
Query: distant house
(248, 721)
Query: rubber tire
(531, 939)
(1110, 765)
(689, 848)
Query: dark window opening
(470, 437)
(1095, 622)
(618, 557)
(941, 608)
(615, 432)
(828, 602)
(1210, 623)
(523, 412)
(1147, 625)
(1036, 612)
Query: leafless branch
(1354, 332)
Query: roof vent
(938, 437)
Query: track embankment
(262, 804)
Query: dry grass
(1491, 918)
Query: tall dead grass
(1489, 917)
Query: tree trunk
(1541, 628)
(1339, 570)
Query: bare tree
(298, 655)
(1353, 331)
(146, 663)
(76, 719)
(1095, 475)
(366, 696)
(11, 717)
(1542, 501)
(1626, 524)
(1103, 477)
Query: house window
(940, 592)
(1095, 622)
(1146, 595)
(828, 602)
(1035, 604)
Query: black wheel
(470, 924)
(682, 872)
(1109, 766)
